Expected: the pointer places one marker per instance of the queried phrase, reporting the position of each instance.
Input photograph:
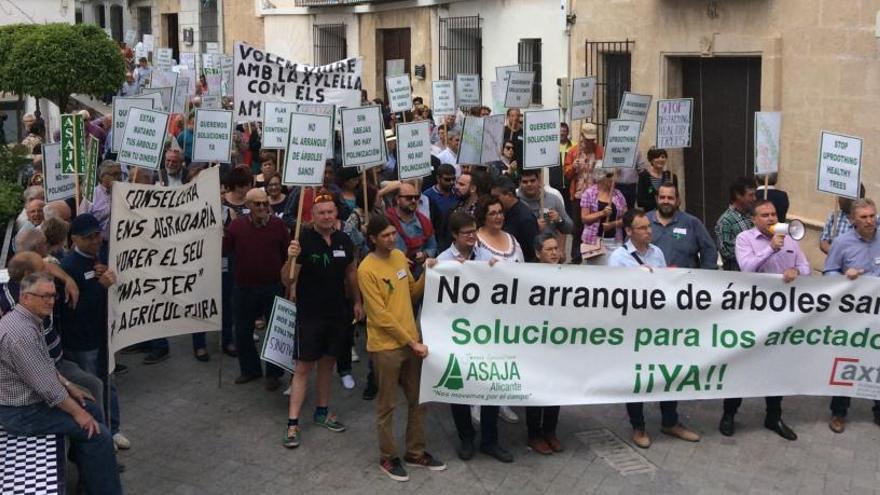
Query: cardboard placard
(583, 92)
(519, 90)
(399, 93)
(493, 138)
(130, 37)
(471, 147)
(211, 102)
(73, 144)
(674, 123)
(57, 185)
(279, 345)
(276, 123)
(443, 97)
(307, 143)
(467, 90)
(163, 58)
(321, 109)
(143, 141)
(89, 174)
(414, 150)
(148, 42)
(840, 164)
(212, 136)
(502, 74)
(541, 138)
(768, 129)
(621, 143)
(363, 137)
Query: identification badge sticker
(89, 275)
(679, 230)
(877, 261)
(339, 253)
(401, 274)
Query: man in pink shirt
(759, 250)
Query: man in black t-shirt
(325, 278)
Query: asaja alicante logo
(500, 371)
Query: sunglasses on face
(411, 197)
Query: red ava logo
(846, 372)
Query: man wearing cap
(578, 170)
(760, 250)
(259, 243)
(84, 328)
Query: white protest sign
(363, 137)
(399, 93)
(140, 51)
(519, 90)
(541, 138)
(210, 61)
(181, 95)
(226, 67)
(674, 123)
(163, 78)
(414, 150)
(502, 74)
(320, 109)
(130, 37)
(155, 97)
(188, 59)
(148, 42)
(768, 128)
(166, 97)
(212, 47)
(471, 145)
(621, 143)
(634, 106)
(165, 251)
(213, 102)
(280, 342)
(276, 124)
(121, 107)
(467, 90)
(840, 164)
(57, 185)
(163, 58)
(443, 97)
(307, 149)
(214, 80)
(261, 76)
(536, 334)
(212, 136)
(144, 138)
(493, 138)
(395, 67)
(583, 92)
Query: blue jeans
(95, 456)
(253, 302)
(91, 362)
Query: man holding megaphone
(769, 247)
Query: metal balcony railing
(330, 3)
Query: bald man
(259, 242)
(57, 209)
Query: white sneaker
(348, 382)
(508, 415)
(354, 356)
(475, 414)
(121, 442)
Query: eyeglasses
(508, 147)
(494, 213)
(468, 232)
(49, 296)
(411, 197)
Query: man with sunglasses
(35, 399)
(259, 242)
(415, 231)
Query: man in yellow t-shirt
(389, 292)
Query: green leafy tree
(11, 161)
(54, 61)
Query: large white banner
(262, 76)
(165, 245)
(534, 334)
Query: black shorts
(318, 336)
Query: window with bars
(529, 60)
(461, 46)
(330, 43)
(611, 63)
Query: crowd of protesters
(358, 268)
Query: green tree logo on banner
(451, 378)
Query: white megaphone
(795, 229)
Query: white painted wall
(505, 22)
(36, 11)
(291, 36)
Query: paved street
(191, 437)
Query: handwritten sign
(840, 164)
(467, 90)
(163, 58)
(674, 123)
(443, 97)
(280, 342)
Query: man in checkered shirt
(37, 400)
(737, 218)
